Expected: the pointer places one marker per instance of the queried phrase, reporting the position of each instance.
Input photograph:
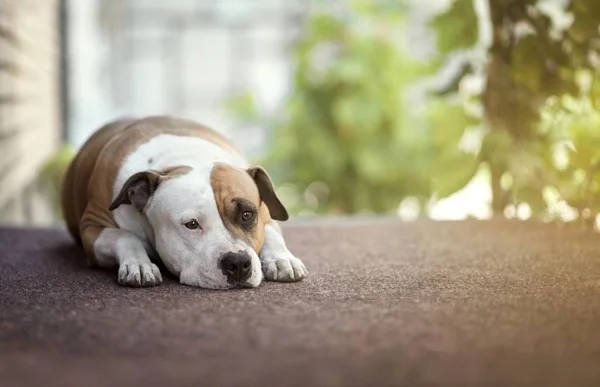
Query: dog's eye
(247, 216)
(192, 224)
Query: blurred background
(441, 109)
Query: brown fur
(88, 183)
(231, 184)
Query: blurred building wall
(145, 57)
(30, 123)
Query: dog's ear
(267, 193)
(137, 190)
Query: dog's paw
(285, 268)
(139, 274)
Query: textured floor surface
(386, 304)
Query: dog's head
(208, 224)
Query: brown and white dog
(169, 189)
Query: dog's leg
(115, 246)
(278, 263)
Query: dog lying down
(169, 189)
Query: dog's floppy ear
(137, 190)
(267, 193)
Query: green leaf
(357, 114)
(585, 20)
(495, 146)
(456, 28)
(448, 122)
(325, 27)
(526, 62)
(452, 173)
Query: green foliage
(450, 169)
(524, 69)
(577, 177)
(349, 139)
(349, 129)
(51, 175)
(456, 28)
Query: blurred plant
(348, 139)
(532, 59)
(51, 176)
(575, 168)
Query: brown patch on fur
(88, 183)
(236, 192)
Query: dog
(171, 190)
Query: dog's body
(171, 189)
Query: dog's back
(77, 177)
(124, 136)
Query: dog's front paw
(285, 268)
(139, 274)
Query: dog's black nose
(236, 266)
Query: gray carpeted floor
(386, 304)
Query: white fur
(122, 247)
(166, 151)
(192, 255)
(279, 264)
